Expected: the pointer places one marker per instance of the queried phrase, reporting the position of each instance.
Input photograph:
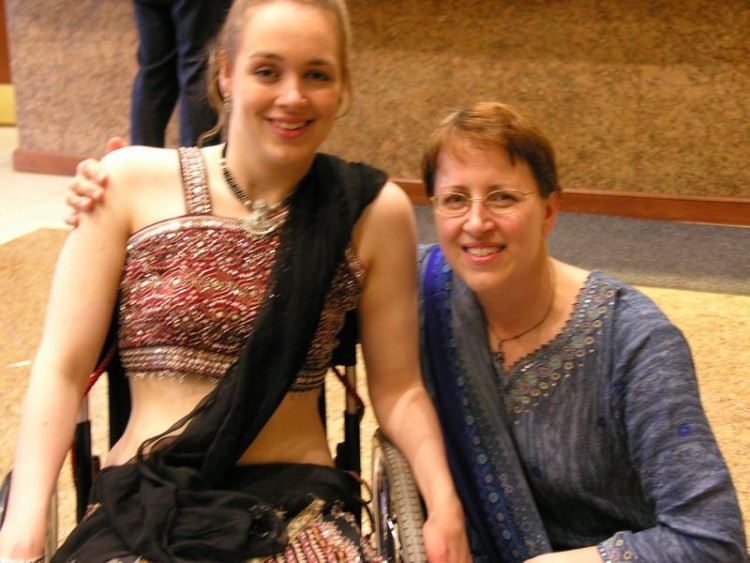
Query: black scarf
(167, 505)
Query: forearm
(410, 422)
(680, 466)
(662, 543)
(45, 433)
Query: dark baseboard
(691, 209)
(40, 162)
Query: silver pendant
(261, 222)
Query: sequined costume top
(193, 286)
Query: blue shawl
(457, 365)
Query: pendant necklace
(263, 219)
(501, 341)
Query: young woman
(231, 268)
(569, 402)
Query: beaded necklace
(263, 219)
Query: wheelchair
(396, 514)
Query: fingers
(82, 194)
(115, 143)
(72, 220)
(86, 189)
(90, 169)
(88, 182)
(79, 203)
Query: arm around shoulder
(87, 188)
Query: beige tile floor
(27, 201)
(717, 327)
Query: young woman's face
(286, 81)
(486, 250)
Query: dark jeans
(173, 39)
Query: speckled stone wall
(638, 95)
(73, 64)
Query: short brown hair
(494, 125)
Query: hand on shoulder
(86, 189)
(130, 167)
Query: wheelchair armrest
(4, 492)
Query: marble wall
(638, 95)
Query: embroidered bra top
(193, 286)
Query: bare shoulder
(572, 274)
(393, 199)
(388, 226)
(147, 182)
(140, 164)
(391, 209)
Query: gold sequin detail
(314, 537)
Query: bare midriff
(293, 434)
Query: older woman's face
(484, 249)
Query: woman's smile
(288, 127)
(483, 251)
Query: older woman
(569, 401)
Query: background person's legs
(155, 88)
(196, 22)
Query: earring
(227, 105)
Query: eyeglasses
(499, 202)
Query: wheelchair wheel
(398, 512)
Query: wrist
(445, 501)
(20, 547)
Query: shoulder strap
(194, 181)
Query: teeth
(290, 126)
(480, 252)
